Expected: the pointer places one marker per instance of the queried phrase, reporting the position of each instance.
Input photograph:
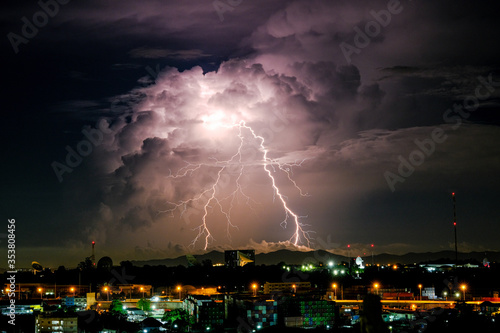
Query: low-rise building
(79, 302)
(206, 311)
(287, 287)
(48, 323)
(20, 307)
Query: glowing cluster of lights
(307, 267)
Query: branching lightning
(211, 196)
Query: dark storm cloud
(153, 53)
(281, 69)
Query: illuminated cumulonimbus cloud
(200, 148)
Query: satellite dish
(359, 262)
(36, 266)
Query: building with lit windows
(46, 323)
(262, 313)
(21, 307)
(239, 258)
(207, 312)
(79, 302)
(287, 287)
(312, 312)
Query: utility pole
(349, 256)
(372, 255)
(455, 227)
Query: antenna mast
(455, 226)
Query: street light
(376, 288)
(445, 294)
(420, 287)
(463, 286)
(254, 287)
(179, 290)
(142, 289)
(72, 290)
(107, 294)
(335, 291)
(294, 288)
(40, 291)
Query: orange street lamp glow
(420, 287)
(463, 286)
(107, 294)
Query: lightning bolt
(211, 198)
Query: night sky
(128, 122)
